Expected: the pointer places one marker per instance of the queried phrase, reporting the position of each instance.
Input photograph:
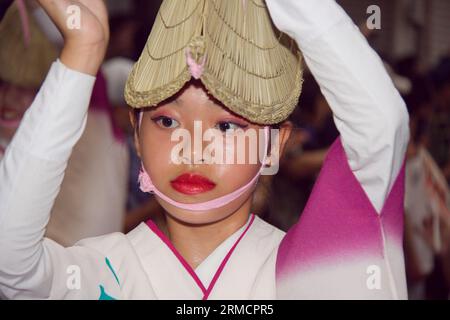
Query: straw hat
(25, 56)
(232, 46)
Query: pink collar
(206, 291)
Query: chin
(203, 217)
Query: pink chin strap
(146, 185)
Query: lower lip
(192, 188)
(13, 124)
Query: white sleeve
(368, 111)
(31, 173)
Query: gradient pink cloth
(339, 225)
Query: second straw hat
(21, 63)
(232, 46)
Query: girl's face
(212, 180)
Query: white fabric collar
(206, 270)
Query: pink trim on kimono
(225, 260)
(186, 265)
(206, 292)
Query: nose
(198, 145)
(191, 151)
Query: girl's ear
(134, 123)
(285, 132)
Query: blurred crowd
(100, 193)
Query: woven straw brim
(21, 64)
(252, 68)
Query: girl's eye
(225, 126)
(166, 122)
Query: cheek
(156, 153)
(246, 163)
(233, 176)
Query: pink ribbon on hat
(244, 4)
(196, 69)
(24, 19)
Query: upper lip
(192, 178)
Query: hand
(84, 47)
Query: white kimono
(342, 232)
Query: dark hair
(421, 93)
(306, 106)
(136, 113)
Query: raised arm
(33, 166)
(84, 44)
(348, 241)
(368, 111)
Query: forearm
(368, 111)
(32, 171)
(83, 59)
(84, 45)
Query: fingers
(84, 26)
(91, 15)
(98, 8)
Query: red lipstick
(189, 183)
